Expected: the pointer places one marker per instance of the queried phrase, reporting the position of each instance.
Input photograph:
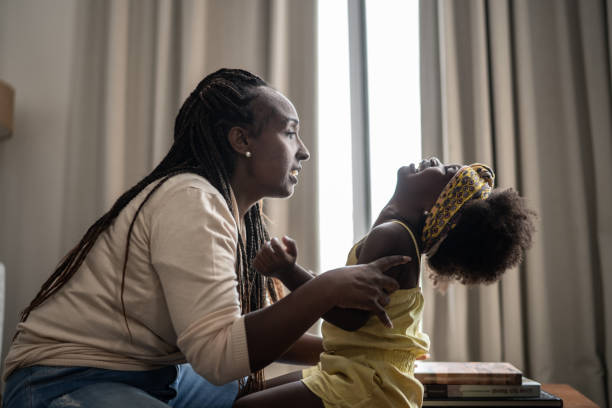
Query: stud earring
(248, 154)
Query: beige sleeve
(193, 250)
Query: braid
(220, 101)
(253, 286)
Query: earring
(248, 154)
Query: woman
(468, 231)
(165, 277)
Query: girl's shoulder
(393, 229)
(393, 238)
(389, 238)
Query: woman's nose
(302, 154)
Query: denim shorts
(175, 386)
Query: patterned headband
(470, 182)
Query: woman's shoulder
(179, 185)
(185, 181)
(185, 191)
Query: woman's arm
(304, 351)
(347, 319)
(192, 243)
(273, 330)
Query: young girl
(469, 233)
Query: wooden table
(571, 398)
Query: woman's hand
(365, 286)
(274, 259)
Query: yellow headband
(470, 182)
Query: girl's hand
(365, 286)
(275, 259)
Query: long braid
(253, 286)
(220, 101)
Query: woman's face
(277, 150)
(426, 181)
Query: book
(442, 372)
(528, 388)
(543, 400)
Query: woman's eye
(291, 135)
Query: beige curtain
(99, 84)
(526, 85)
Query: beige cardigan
(180, 296)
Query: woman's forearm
(347, 319)
(304, 351)
(273, 330)
(297, 277)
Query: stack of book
(477, 384)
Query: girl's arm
(271, 331)
(385, 239)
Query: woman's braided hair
(220, 101)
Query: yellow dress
(373, 366)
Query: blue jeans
(54, 387)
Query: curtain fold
(526, 86)
(138, 60)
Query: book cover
(544, 400)
(441, 372)
(528, 388)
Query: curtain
(526, 86)
(98, 87)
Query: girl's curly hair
(490, 236)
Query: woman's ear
(238, 138)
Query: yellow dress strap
(416, 245)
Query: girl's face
(277, 150)
(425, 182)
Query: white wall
(37, 63)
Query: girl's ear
(238, 138)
